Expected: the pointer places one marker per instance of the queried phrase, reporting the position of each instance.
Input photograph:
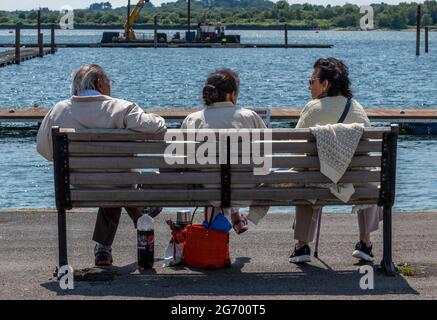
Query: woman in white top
(220, 94)
(330, 91)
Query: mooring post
(128, 11)
(286, 35)
(189, 17)
(426, 40)
(38, 23)
(127, 28)
(17, 44)
(39, 35)
(155, 31)
(41, 45)
(418, 31)
(52, 42)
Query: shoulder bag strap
(346, 111)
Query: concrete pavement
(260, 267)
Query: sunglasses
(311, 81)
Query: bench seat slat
(186, 203)
(173, 178)
(102, 148)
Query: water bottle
(146, 242)
(183, 218)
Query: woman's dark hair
(219, 84)
(337, 74)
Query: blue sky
(11, 5)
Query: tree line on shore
(241, 12)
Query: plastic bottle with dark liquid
(146, 242)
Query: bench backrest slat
(148, 162)
(88, 159)
(282, 146)
(190, 178)
(126, 135)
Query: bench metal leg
(319, 222)
(387, 263)
(62, 238)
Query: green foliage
(409, 270)
(241, 12)
(347, 20)
(101, 6)
(426, 19)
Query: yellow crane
(129, 32)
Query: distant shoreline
(244, 27)
(164, 27)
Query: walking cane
(319, 221)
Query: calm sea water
(384, 69)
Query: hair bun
(210, 94)
(219, 85)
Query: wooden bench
(184, 184)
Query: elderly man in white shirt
(92, 107)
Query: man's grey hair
(86, 77)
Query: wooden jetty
(283, 114)
(412, 121)
(182, 45)
(8, 57)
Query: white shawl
(336, 145)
